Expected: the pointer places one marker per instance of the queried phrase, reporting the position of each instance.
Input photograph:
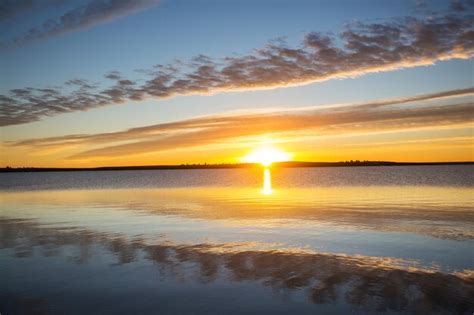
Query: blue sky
(178, 30)
(161, 32)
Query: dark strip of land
(235, 165)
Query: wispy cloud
(379, 116)
(92, 13)
(12, 8)
(360, 48)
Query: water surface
(330, 240)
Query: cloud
(458, 5)
(372, 284)
(12, 8)
(437, 110)
(92, 13)
(360, 48)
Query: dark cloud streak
(12, 8)
(378, 116)
(359, 49)
(92, 13)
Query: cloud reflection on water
(440, 212)
(371, 283)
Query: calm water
(303, 240)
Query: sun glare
(267, 156)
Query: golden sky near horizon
(424, 128)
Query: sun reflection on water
(267, 182)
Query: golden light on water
(267, 182)
(266, 156)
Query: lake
(361, 240)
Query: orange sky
(422, 128)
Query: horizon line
(205, 165)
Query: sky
(145, 82)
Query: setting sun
(266, 156)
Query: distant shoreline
(225, 166)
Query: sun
(266, 156)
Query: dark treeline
(228, 165)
